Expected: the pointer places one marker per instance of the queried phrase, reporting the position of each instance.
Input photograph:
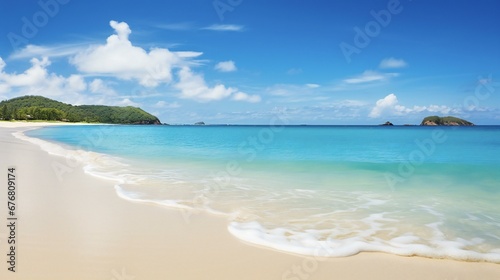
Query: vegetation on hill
(435, 120)
(42, 108)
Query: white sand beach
(78, 228)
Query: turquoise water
(314, 190)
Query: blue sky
(248, 62)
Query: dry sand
(78, 228)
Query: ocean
(331, 191)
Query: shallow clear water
(316, 190)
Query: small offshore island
(446, 121)
(34, 108)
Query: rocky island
(446, 121)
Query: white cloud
(193, 86)
(35, 75)
(226, 66)
(370, 76)
(163, 104)
(34, 80)
(188, 54)
(99, 86)
(119, 58)
(224, 27)
(312, 85)
(37, 80)
(387, 103)
(76, 83)
(292, 89)
(128, 102)
(389, 106)
(241, 96)
(31, 51)
(392, 63)
(2, 64)
(439, 109)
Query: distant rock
(446, 121)
(428, 123)
(199, 123)
(387, 123)
(156, 122)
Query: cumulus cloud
(99, 86)
(193, 86)
(35, 75)
(370, 76)
(389, 106)
(392, 63)
(76, 83)
(226, 66)
(119, 58)
(387, 103)
(36, 80)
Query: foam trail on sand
(104, 167)
(310, 243)
(92, 163)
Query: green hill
(42, 108)
(435, 120)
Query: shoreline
(80, 226)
